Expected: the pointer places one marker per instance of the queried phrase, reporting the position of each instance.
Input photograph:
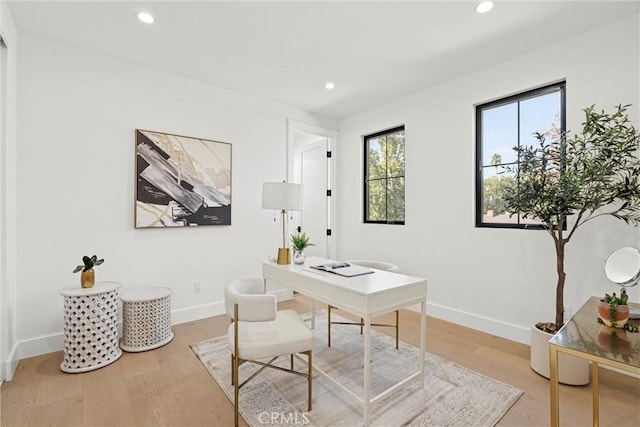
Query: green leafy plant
(614, 300)
(565, 182)
(300, 241)
(89, 263)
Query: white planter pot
(571, 370)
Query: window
(502, 125)
(384, 177)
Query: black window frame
(366, 180)
(561, 87)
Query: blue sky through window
(500, 126)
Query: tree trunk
(560, 285)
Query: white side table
(90, 327)
(146, 319)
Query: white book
(343, 269)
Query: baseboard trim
(198, 312)
(40, 345)
(480, 323)
(10, 365)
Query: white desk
(366, 296)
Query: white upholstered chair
(259, 331)
(377, 265)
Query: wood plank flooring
(170, 387)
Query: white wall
(77, 113)
(496, 280)
(8, 64)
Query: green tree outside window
(385, 177)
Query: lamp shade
(282, 195)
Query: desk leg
(423, 339)
(313, 314)
(367, 370)
(596, 399)
(553, 384)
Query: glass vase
(298, 256)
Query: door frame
(332, 136)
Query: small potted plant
(613, 311)
(299, 242)
(87, 277)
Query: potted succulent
(565, 182)
(300, 242)
(87, 277)
(613, 311)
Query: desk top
(379, 292)
(583, 333)
(365, 284)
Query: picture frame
(181, 181)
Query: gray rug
(453, 395)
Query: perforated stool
(90, 327)
(146, 319)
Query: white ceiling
(285, 51)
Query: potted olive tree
(565, 181)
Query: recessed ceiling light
(329, 85)
(145, 17)
(484, 6)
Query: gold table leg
(596, 395)
(553, 384)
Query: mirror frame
(633, 278)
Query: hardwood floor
(169, 386)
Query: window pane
(395, 199)
(376, 157)
(377, 200)
(493, 187)
(540, 114)
(499, 134)
(395, 154)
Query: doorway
(310, 159)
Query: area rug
(453, 395)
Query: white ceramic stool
(146, 319)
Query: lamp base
(284, 256)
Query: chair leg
(232, 371)
(310, 381)
(329, 326)
(291, 355)
(397, 328)
(235, 392)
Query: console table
(584, 337)
(90, 327)
(366, 296)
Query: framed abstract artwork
(181, 181)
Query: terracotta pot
(607, 312)
(87, 278)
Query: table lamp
(285, 197)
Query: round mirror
(623, 266)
